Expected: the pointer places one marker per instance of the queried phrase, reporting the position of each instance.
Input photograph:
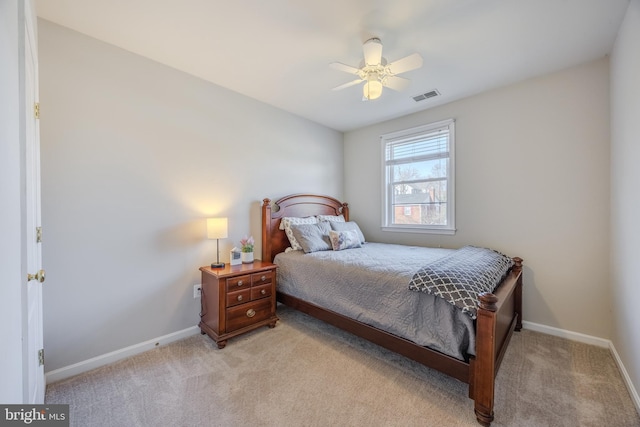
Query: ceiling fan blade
(372, 51)
(351, 83)
(343, 67)
(396, 83)
(405, 64)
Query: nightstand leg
(222, 344)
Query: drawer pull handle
(263, 278)
(239, 297)
(251, 312)
(239, 282)
(263, 292)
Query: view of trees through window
(420, 193)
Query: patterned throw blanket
(460, 277)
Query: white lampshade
(217, 228)
(372, 89)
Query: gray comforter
(369, 284)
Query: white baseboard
(573, 336)
(625, 376)
(588, 339)
(114, 356)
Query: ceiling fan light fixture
(372, 89)
(376, 73)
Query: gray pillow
(347, 226)
(312, 237)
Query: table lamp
(217, 229)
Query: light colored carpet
(307, 373)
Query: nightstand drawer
(261, 278)
(239, 297)
(248, 314)
(260, 291)
(239, 282)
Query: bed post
(517, 268)
(345, 211)
(483, 366)
(266, 230)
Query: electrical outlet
(197, 291)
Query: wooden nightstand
(237, 299)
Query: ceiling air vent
(426, 95)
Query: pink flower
(247, 244)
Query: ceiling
(278, 51)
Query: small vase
(247, 257)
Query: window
(419, 179)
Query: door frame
(33, 347)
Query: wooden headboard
(275, 240)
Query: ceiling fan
(376, 73)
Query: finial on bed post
(517, 264)
(266, 231)
(488, 301)
(345, 211)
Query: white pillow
(331, 218)
(285, 224)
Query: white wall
(532, 180)
(625, 179)
(135, 155)
(12, 271)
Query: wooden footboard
(499, 313)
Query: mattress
(371, 284)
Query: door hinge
(38, 234)
(36, 110)
(41, 357)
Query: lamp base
(217, 265)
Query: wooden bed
(498, 315)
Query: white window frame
(387, 188)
